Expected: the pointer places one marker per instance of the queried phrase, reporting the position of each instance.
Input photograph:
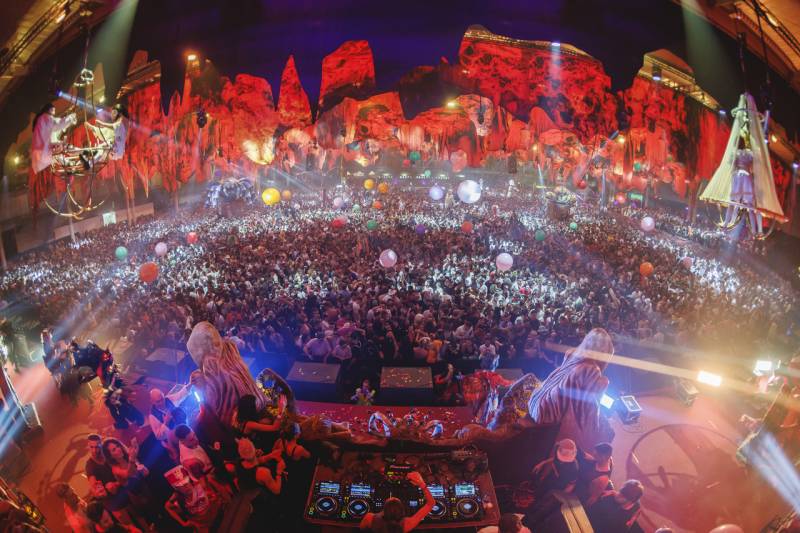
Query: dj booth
(361, 483)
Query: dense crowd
(285, 281)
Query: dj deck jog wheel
(467, 507)
(327, 505)
(438, 511)
(357, 507)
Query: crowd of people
(285, 281)
(304, 280)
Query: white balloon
(648, 224)
(338, 202)
(436, 193)
(388, 258)
(161, 249)
(504, 261)
(469, 191)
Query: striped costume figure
(222, 376)
(569, 396)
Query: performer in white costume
(743, 182)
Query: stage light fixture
(709, 378)
(102, 99)
(628, 409)
(452, 104)
(762, 367)
(722, 112)
(621, 139)
(773, 138)
(686, 391)
(16, 160)
(795, 165)
(656, 73)
(191, 57)
(555, 44)
(607, 401)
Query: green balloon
(637, 166)
(573, 226)
(121, 253)
(356, 208)
(372, 224)
(414, 156)
(427, 173)
(539, 235)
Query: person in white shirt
(192, 456)
(464, 331)
(161, 406)
(46, 129)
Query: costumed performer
(47, 128)
(570, 395)
(112, 135)
(744, 180)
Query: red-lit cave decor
(538, 109)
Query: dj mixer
(459, 482)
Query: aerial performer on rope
(743, 183)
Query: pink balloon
(161, 249)
(648, 224)
(687, 262)
(388, 258)
(504, 262)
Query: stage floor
(700, 485)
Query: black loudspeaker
(314, 381)
(406, 386)
(32, 422)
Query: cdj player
(463, 494)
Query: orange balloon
(369, 184)
(383, 188)
(466, 226)
(148, 272)
(646, 268)
(377, 204)
(286, 195)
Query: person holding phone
(393, 518)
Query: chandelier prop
(80, 164)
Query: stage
(694, 445)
